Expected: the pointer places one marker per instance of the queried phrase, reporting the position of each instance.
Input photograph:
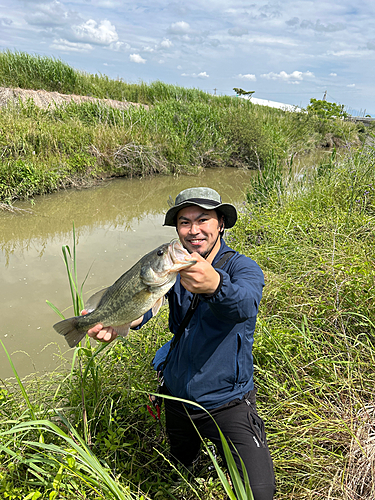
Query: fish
(138, 290)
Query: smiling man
(213, 308)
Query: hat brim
(229, 211)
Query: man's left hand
(201, 277)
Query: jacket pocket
(257, 427)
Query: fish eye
(160, 252)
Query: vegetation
(42, 150)
(243, 92)
(312, 232)
(326, 110)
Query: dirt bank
(43, 99)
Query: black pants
(240, 424)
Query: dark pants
(240, 424)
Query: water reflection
(116, 223)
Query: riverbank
(166, 129)
(313, 235)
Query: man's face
(198, 229)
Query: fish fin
(123, 330)
(158, 304)
(93, 301)
(69, 330)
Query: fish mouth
(178, 256)
(175, 258)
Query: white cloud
(351, 85)
(117, 46)
(202, 75)
(295, 77)
(136, 58)
(346, 53)
(249, 76)
(179, 28)
(166, 44)
(103, 33)
(52, 15)
(333, 74)
(65, 45)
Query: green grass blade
(55, 309)
(20, 384)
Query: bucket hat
(203, 197)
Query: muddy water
(116, 223)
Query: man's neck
(214, 251)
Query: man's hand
(201, 277)
(99, 332)
(107, 333)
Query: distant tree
(243, 92)
(325, 109)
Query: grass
(43, 150)
(28, 71)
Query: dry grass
(360, 476)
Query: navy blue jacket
(212, 363)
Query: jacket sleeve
(238, 295)
(146, 317)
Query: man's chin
(195, 248)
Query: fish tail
(68, 328)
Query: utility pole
(325, 96)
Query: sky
(288, 51)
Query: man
(210, 361)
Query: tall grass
(315, 346)
(32, 71)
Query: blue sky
(286, 51)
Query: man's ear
(221, 224)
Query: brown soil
(43, 99)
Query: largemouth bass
(137, 291)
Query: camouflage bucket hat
(203, 197)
